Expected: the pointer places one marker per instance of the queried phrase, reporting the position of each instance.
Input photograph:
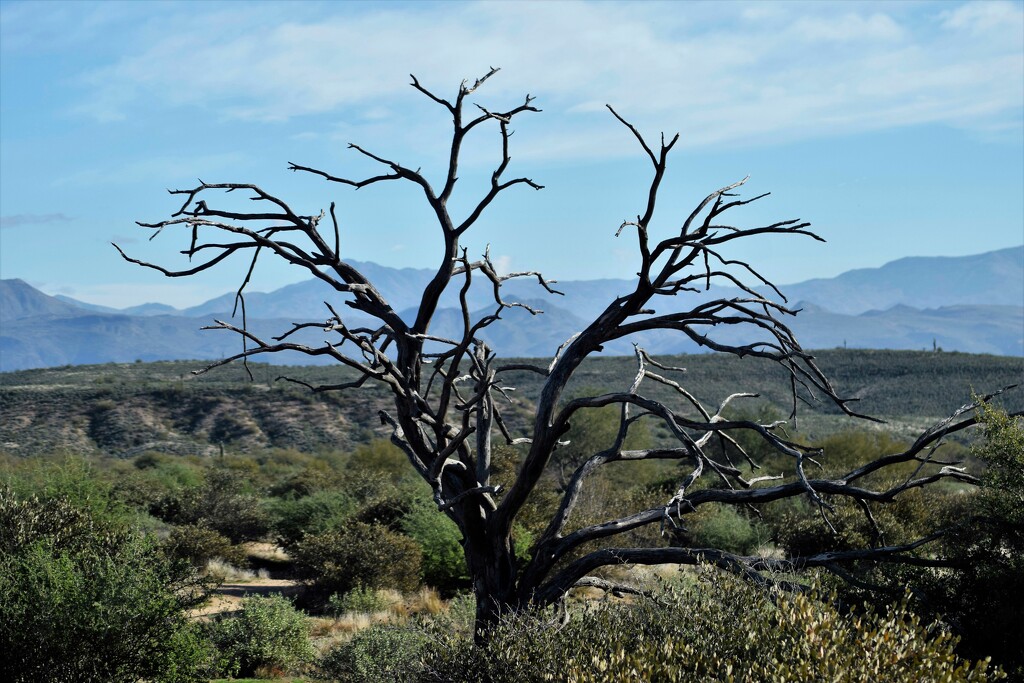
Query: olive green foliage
(198, 545)
(222, 503)
(359, 599)
(380, 455)
(379, 654)
(293, 518)
(359, 554)
(722, 527)
(720, 629)
(444, 563)
(82, 598)
(984, 600)
(268, 634)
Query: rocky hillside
(123, 410)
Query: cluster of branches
(449, 393)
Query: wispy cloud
(21, 219)
(721, 73)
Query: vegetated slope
(123, 410)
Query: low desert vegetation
(98, 584)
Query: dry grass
(230, 573)
(426, 601)
(266, 551)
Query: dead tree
(449, 393)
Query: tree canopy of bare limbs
(449, 393)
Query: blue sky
(897, 129)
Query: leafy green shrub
(358, 599)
(292, 519)
(84, 600)
(722, 527)
(444, 563)
(387, 511)
(359, 554)
(720, 629)
(222, 504)
(379, 654)
(984, 599)
(268, 633)
(198, 545)
(381, 457)
(305, 483)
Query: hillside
(123, 410)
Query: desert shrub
(305, 483)
(444, 563)
(268, 633)
(292, 519)
(366, 555)
(984, 600)
(358, 599)
(84, 600)
(379, 654)
(719, 629)
(388, 511)
(383, 458)
(722, 527)
(221, 503)
(198, 545)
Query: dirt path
(228, 597)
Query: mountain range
(972, 303)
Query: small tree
(447, 392)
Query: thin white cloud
(22, 219)
(721, 74)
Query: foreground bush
(719, 630)
(269, 634)
(82, 599)
(984, 600)
(379, 654)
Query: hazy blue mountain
(993, 278)
(18, 299)
(141, 309)
(973, 304)
(95, 308)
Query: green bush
(366, 555)
(383, 458)
(268, 633)
(84, 600)
(198, 545)
(379, 654)
(292, 519)
(720, 629)
(386, 511)
(722, 527)
(221, 504)
(984, 599)
(358, 599)
(444, 562)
